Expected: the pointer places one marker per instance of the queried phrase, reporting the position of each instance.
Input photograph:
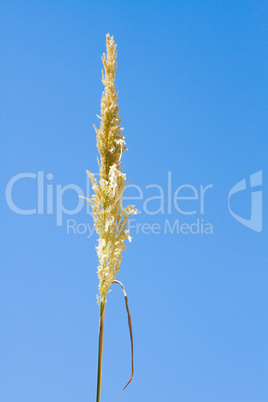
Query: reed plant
(109, 214)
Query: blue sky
(192, 81)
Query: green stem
(101, 327)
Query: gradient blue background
(192, 81)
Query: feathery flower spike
(110, 217)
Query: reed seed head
(110, 217)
